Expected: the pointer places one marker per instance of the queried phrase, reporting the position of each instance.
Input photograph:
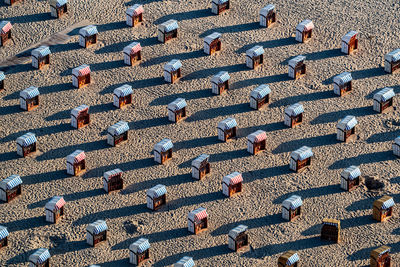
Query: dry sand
(267, 179)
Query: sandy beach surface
(267, 178)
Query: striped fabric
(353, 172)
(173, 65)
(118, 128)
(220, 2)
(123, 90)
(29, 92)
(27, 139)
(292, 202)
(143, 245)
(385, 251)
(209, 38)
(294, 61)
(384, 95)
(164, 145)
(83, 70)
(44, 256)
(60, 3)
(294, 110)
(393, 56)
(5, 26)
(260, 92)
(75, 112)
(233, 178)
(108, 175)
(41, 51)
(348, 36)
(55, 203)
(348, 123)
(388, 204)
(132, 48)
(257, 136)
(12, 181)
(200, 215)
(255, 51)
(40, 256)
(293, 259)
(264, 11)
(302, 153)
(343, 78)
(135, 10)
(157, 191)
(3, 232)
(177, 104)
(227, 124)
(397, 140)
(220, 77)
(305, 25)
(77, 156)
(197, 161)
(169, 26)
(88, 31)
(237, 231)
(97, 227)
(2, 76)
(185, 262)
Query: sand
(267, 178)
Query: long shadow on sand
(233, 28)
(383, 137)
(167, 181)
(149, 123)
(337, 115)
(311, 192)
(261, 80)
(9, 110)
(251, 223)
(44, 90)
(112, 214)
(70, 197)
(196, 254)
(269, 172)
(195, 200)
(30, 18)
(165, 100)
(45, 177)
(126, 166)
(118, 47)
(269, 44)
(111, 26)
(219, 111)
(363, 159)
(25, 224)
(48, 130)
(316, 141)
(271, 127)
(188, 15)
(196, 142)
(365, 252)
(204, 73)
(63, 152)
(17, 68)
(363, 204)
(297, 245)
(109, 65)
(182, 56)
(361, 74)
(155, 237)
(66, 114)
(319, 95)
(156, 81)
